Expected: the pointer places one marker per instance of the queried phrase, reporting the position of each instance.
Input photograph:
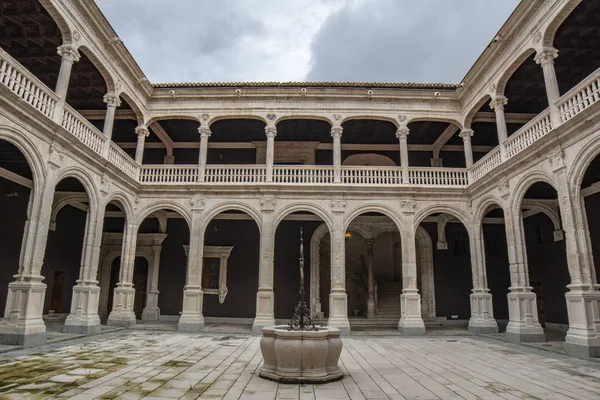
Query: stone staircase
(389, 309)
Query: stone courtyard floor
(136, 364)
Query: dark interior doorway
(58, 290)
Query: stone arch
(468, 121)
(378, 208)
(162, 205)
(124, 203)
(237, 206)
(441, 208)
(86, 180)
(60, 204)
(581, 162)
(435, 119)
(139, 114)
(59, 20)
(298, 117)
(518, 194)
(294, 207)
(29, 150)
(369, 159)
(508, 73)
(111, 86)
(241, 115)
(484, 205)
(175, 116)
(370, 117)
(549, 212)
(550, 31)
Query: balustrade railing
(169, 174)
(121, 160)
(235, 173)
(438, 177)
(580, 97)
(528, 134)
(371, 175)
(83, 129)
(486, 164)
(302, 174)
(25, 85)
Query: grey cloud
(405, 40)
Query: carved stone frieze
(268, 204)
(556, 160)
(198, 203)
(338, 206)
(56, 156)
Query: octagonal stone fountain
(301, 352)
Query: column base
(583, 336)
(23, 324)
(150, 314)
(265, 316)
(411, 322)
(122, 313)
(482, 314)
(84, 318)
(338, 311)
(191, 319)
(370, 308)
(523, 325)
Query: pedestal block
(265, 315)
(583, 336)
(84, 318)
(338, 311)
(411, 322)
(482, 314)
(191, 319)
(151, 312)
(301, 356)
(122, 313)
(523, 325)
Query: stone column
(204, 135)
(545, 58)
(583, 297)
(523, 324)
(22, 324)
(411, 321)
(192, 319)
(265, 297)
(142, 133)
(482, 311)
(151, 311)
(338, 299)
(336, 134)
(69, 55)
(271, 132)
(497, 104)
(122, 313)
(112, 102)
(466, 136)
(370, 279)
(83, 317)
(402, 135)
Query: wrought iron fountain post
(301, 320)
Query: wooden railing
(486, 164)
(302, 174)
(121, 160)
(371, 175)
(580, 97)
(25, 85)
(528, 134)
(169, 174)
(83, 130)
(438, 177)
(234, 174)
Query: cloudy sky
(306, 40)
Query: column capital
(112, 100)
(271, 131)
(204, 132)
(498, 103)
(141, 130)
(546, 56)
(369, 242)
(336, 132)
(68, 52)
(466, 134)
(402, 132)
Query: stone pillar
(265, 297)
(338, 299)
(497, 104)
(23, 324)
(523, 324)
(411, 322)
(122, 313)
(482, 311)
(545, 58)
(151, 311)
(466, 136)
(336, 134)
(402, 135)
(142, 133)
(204, 135)
(370, 279)
(83, 317)
(69, 55)
(112, 102)
(192, 319)
(583, 297)
(271, 132)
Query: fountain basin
(301, 356)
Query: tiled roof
(384, 85)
